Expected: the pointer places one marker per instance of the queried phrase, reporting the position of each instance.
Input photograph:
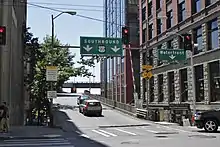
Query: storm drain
(202, 136)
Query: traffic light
(125, 35)
(187, 42)
(2, 35)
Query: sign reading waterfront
(100, 46)
(172, 54)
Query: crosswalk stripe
(125, 131)
(103, 134)
(108, 133)
(36, 142)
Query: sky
(68, 29)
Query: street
(115, 129)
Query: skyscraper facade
(116, 75)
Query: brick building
(170, 89)
(116, 77)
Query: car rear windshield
(94, 104)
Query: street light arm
(58, 15)
(175, 33)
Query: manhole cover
(130, 142)
(202, 136)
(166, 133)
(161, 136)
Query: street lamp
(53, 18)
(192, 69)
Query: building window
(209, 2)
(151, 57)
(150, 9)
(169, 19)
(182, 11)
(214, 70)
(150, 31)
(144, 35)
(159, 26)
(160, 88)
(196, 6)
(158, 4)
(144, 14)
(159, 62)
(199, 79)
(183, 85)
(213, 42)
(169, 44)
(151, 90)
(198, 39)
(171, 86)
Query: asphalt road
(115, 129)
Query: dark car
(209, 120)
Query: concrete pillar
(189, 78)
(141, 79)
(204, 37)
(177, 86)
(165, 87)
(206, 83)
(156, 89)
(155, 58)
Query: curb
(115, 126)
(25, 137)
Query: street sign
(147, 67)
(51, 73)
(147, 75)
(172, 54)
(100, 46)
(51, 94)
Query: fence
(129, 109)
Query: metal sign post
(51, 76)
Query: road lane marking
(84, 135)
(151, 131)
(101, 133)
(108, 133)
(125, 131)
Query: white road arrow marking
(172, 57)
(87, 48)
(115, 49)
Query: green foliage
(43, 55)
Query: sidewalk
(27, 132)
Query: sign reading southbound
(100, 46)
(171, 54)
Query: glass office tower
(116, 72)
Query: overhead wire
(79, 15)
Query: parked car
(209, 120)
(81, 98)
(89, 106)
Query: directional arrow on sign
(87, 48)
(115, 49)
(172, 57)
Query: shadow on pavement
(203, 131)
(72, 132)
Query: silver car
(89, 106)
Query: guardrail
(129, 109)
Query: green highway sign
(100, 46)
(172, 54)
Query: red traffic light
(2, 29)
(125, 31)
(188, 37)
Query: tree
(43, 55)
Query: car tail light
(86, 105)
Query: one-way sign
(171, 54)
